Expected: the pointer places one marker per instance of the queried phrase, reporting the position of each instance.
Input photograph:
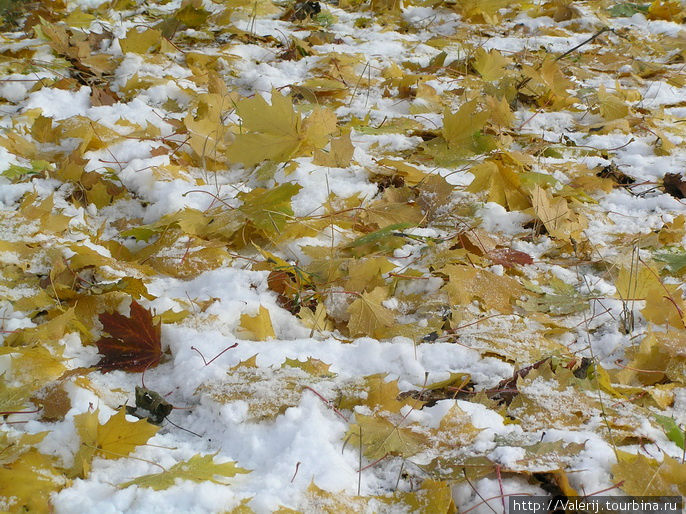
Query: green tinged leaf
(269, 209)
(267, 132)
(378, 235)
(142, 233)
(15, 172)
(675, 261)
(672, 430)
(628, 9)
(199, 468)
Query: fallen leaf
(501, 182)
(460, 128)
(367, 316)
(54, 402)
(27, 483)
(490, 64)
(199, 468)
(675, 185)
(638, 475)
(554, 212)
(380, 438)
(276, 132)
(115, 439)
(141, 42)
(495, 292)
(258, 327)
(339, 154)
(134, 343)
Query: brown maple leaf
(134, 342)
(675, 184)
(508, 257)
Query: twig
(359, 467)
(297, 466)
(328, 403)
(464, 472)
(594, 36)
(184, 429)
(590, 39)
(207, 363)
(371, 464)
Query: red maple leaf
(134, 342)
(509, 257)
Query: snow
(60, 104)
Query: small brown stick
(297, 467)
(207, 363)
(328, 403)
(372, 464)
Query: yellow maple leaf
(666, 10)
(141, 42)
(79, 19)
(380, 437)
(208, 135)
(50, 332)
(549, 85)
(634, 282)
(410, 174)
(26, 483)
(638, 475)
(490, 64)
(426, 100)
(339, 155)
(611, 106)
(381, 396)
(460, 128)
(366, 274)
(468, 283)
(199, 468)
(258, 327)
(499, 112)
(394, 207)
(311, 366)
(367, 316)
(115, 439)
(42, 211)
(276, 132)
(267, 131)
(501, 182)
(481, 11)
(35, 363)
(317, 320)
(665, 305)
(648, 363)
(318, 127)
(555, 214)
(433, 496)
